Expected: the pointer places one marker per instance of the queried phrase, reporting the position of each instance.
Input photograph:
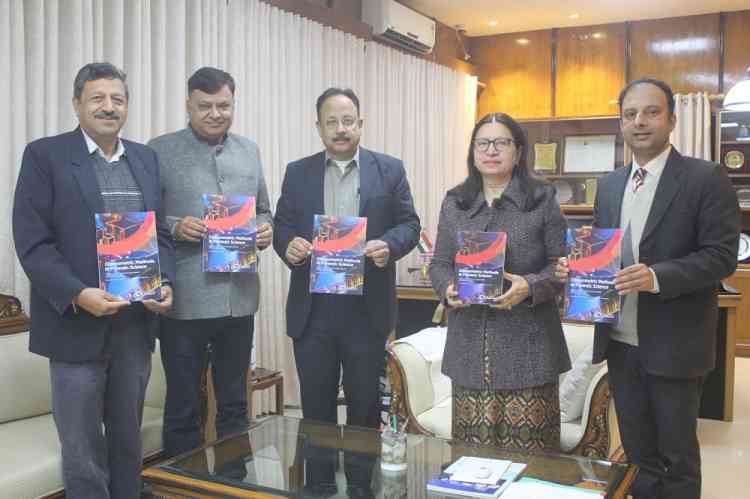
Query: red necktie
(638, 178)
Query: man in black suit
(332, 332)
(99, 345)
(681, 224)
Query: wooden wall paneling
(590, 70)
(736, 47)
(517, 69)
(448, 50)
(682, 51)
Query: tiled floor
(725, 447)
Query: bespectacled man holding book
(335, 333)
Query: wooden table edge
(626, 483)
(158, 476)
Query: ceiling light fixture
(573, 16)
(738, 97)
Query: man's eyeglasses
(501, 144)
(347, 123)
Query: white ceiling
(528, 15)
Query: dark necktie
(638, 179)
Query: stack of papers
(476, 477)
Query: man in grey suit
(681, 225)
(210, 308)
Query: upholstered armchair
(421, 394)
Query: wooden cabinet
(517, 71)
(741, 282)
(590, 70)
(685, 52)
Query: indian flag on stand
(424, 245)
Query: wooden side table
(261, 379)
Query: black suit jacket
(690, 240)
(56, 197)
(386, 201)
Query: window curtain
(692, 132)
(413, 109)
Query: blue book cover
(594, 258)
(444, 485)
(128, 255)
(229, 245)
(479, 266)
(338, 255)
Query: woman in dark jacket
(504, 359)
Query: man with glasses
(215, 308)
(335, 332)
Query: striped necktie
(638, 178)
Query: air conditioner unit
(400, 25)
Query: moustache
(107, 115)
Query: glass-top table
(289, 457)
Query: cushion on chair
(151, 427)
(421, 356)
(439, 419)
(30, 459)
(25, 380)
(571, 434)
(575, 385)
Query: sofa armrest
(598, 438)
(400, 394)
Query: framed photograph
(589, 153)
(545, 157)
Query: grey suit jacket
(190, 168)
(690, 241)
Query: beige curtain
(692, 133)
(281, 62)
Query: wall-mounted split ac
(400, 25)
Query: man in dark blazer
(681, 225)
(99, 345)
(335, 332)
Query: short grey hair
(98, 71)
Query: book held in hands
(230, 244)
(479, 266)
(128, 254)
(338, 255)
(593, 261)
